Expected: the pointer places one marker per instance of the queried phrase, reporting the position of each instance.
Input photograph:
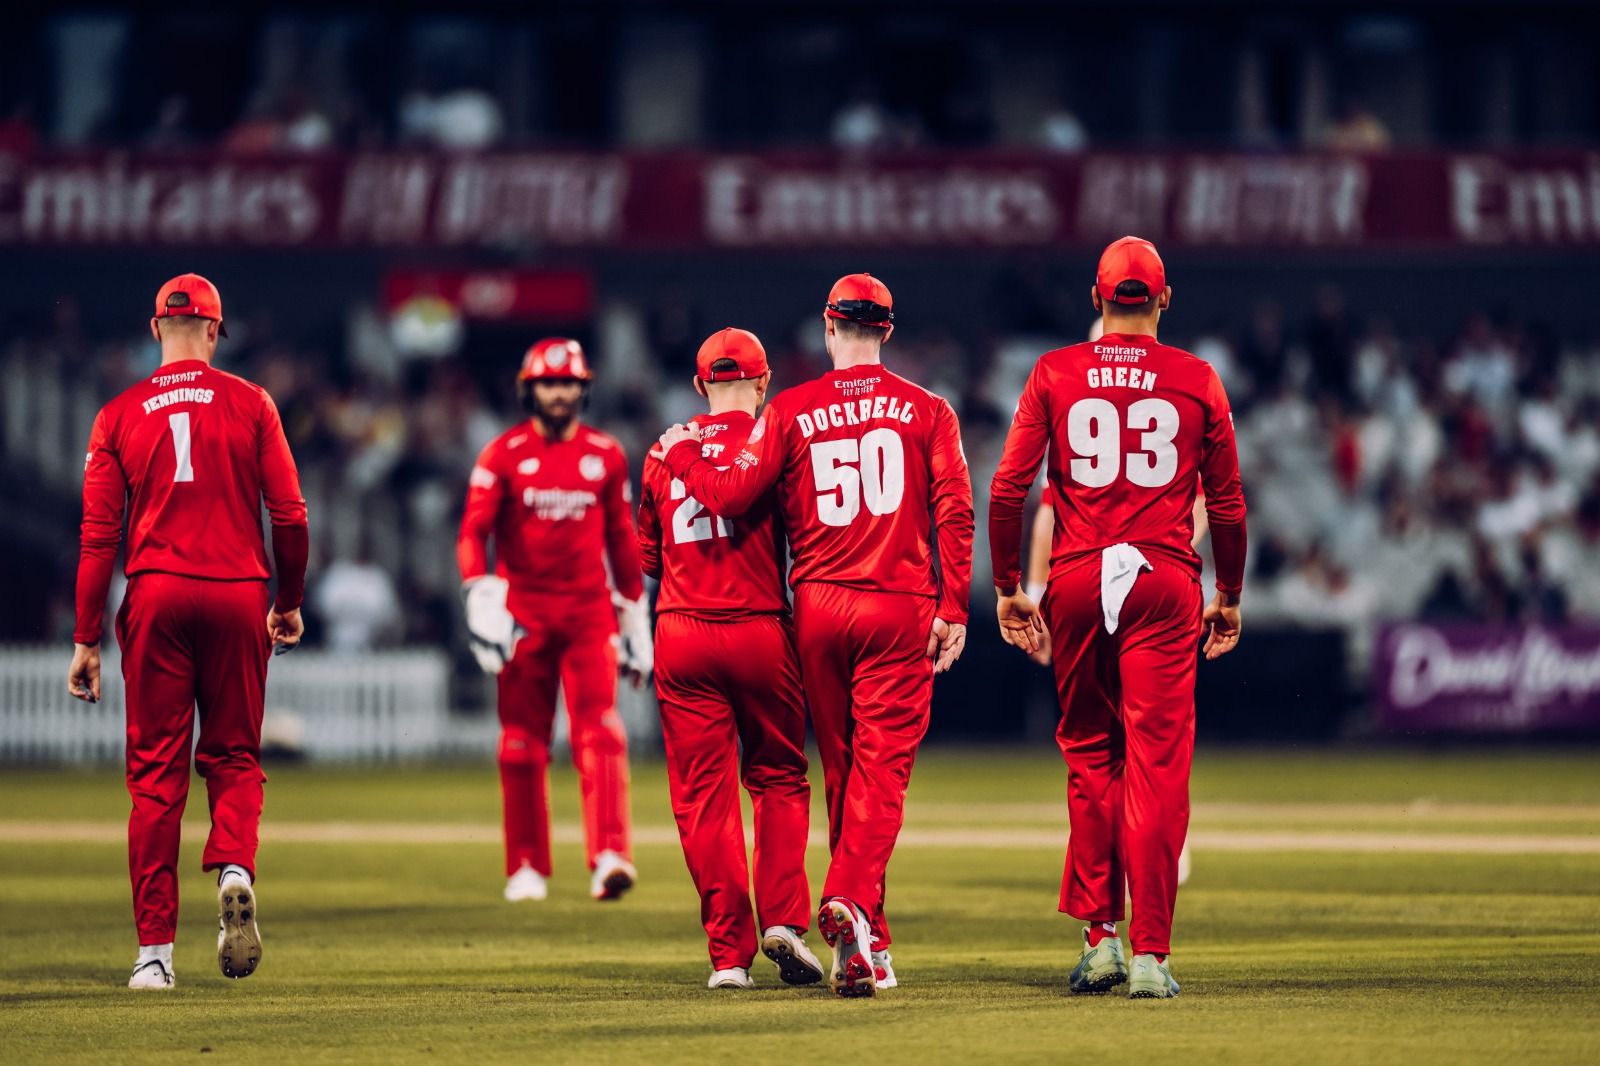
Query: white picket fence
(374, 707)
(380, 706)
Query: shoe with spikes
(796, 964)
(845, 929)
(238, 939)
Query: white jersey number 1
(179, 424)
(878, 479)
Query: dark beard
(553, 427)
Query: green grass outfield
(1346, 907)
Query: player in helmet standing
(553, 495)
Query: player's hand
(1041, 654)
(1222, 625)
(1022, 623)
(83, 679)
(677, 435)
(636, 654)
(946, 641)
(492, 633)
(285, 630)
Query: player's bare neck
(722, 405)
(846, 356)
(173, 352)
(556, 431)
(1132, 325)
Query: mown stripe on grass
(996, 837)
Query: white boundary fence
(374, 707)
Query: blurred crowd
(1389, 474)
(612, 75)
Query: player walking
(190, 453)
(553, 494)
(729, 685)
(1130, 424)
(870, 470)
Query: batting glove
(636, 657)
(491, 631)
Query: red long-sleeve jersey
(868, 469)
(189, 454)
(557, 510)
(711, 567)
(1133, 428)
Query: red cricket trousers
(1127, 732)
(570, 647)
(188, 642)
(869, 681)
(732, 711)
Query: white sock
(233, 870)
(149, 952)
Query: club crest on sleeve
(481, 478)
(759, 432)
(592, 467)
(528, 466)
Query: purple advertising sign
(1487, 679)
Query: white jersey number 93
(1094, 431)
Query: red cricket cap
(741, 346)
(1130, 259)
(555, 359)
(190, 294)
(861, 298)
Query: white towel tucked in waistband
(1120, 566)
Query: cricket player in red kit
(554, 496)
(728, 681)
(188, 455)
(1133, 428)
(869, 469)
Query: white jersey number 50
(1094, 430)
(879, 479)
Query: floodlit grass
(405, 952)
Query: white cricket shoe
(796, 964)
(526, 883)
(733, 977)
(238, 939)
(845, 929)
(883, 970)
(613, 875)
(152, 973)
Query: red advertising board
(818, 200)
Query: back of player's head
(190, 296)
(861, 307)
(1130, 276)
(730, 355)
